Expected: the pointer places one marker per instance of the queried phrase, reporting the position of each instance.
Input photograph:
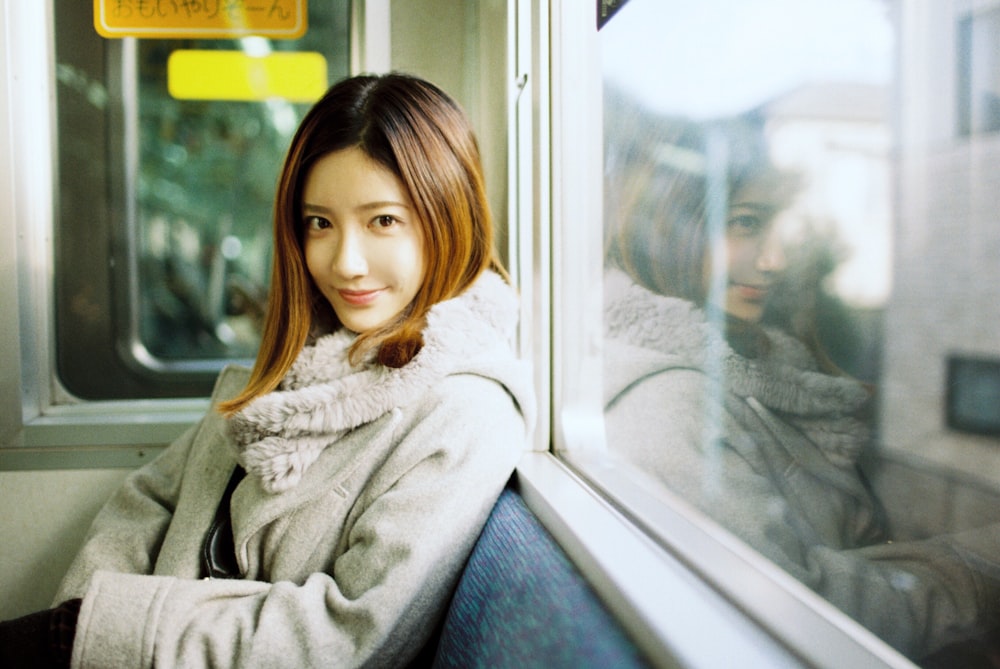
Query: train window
(793, 246)
(181, 183)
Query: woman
(753, 426)
(321, 513)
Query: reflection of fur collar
(786, 379)
(280, 434)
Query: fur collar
(785, 381)
(279, 435)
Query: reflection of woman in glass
(744, 420)
(320, 514)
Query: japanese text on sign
(277, 19)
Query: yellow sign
(209, 19)
(233, 75)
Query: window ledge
(673, 616)
(782, 611)
(99, 434)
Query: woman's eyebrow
(755, 206)
(383, 203)
(379, 204)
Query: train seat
(521, 603)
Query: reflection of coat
(350, 559)
(768, 448)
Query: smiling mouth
(752, 293)
(359, 298)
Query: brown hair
(659, 190)
(414, 130)
(663, 175)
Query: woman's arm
(126, 534)
(384, 593)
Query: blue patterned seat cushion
(521, 603)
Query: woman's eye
(385, 221)
(316, 223)
(745, 224)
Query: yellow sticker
(296, 76)
(209, 19)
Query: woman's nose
(771, 257)
(350, 259)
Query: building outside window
(978, 60)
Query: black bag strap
(218, 552)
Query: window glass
(979, 72)
(183, 189)
(788, 263)
(205, 184)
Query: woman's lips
(359, 298)
(752, 293)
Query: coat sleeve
(126, 534)
(918, 596)
(378, 603)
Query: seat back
(521, 603)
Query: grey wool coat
(366, 488)
(768, 449)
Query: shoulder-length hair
(663, 177)
(413, 129)
(659, 192)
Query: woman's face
(749, 258)
(363, 242)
